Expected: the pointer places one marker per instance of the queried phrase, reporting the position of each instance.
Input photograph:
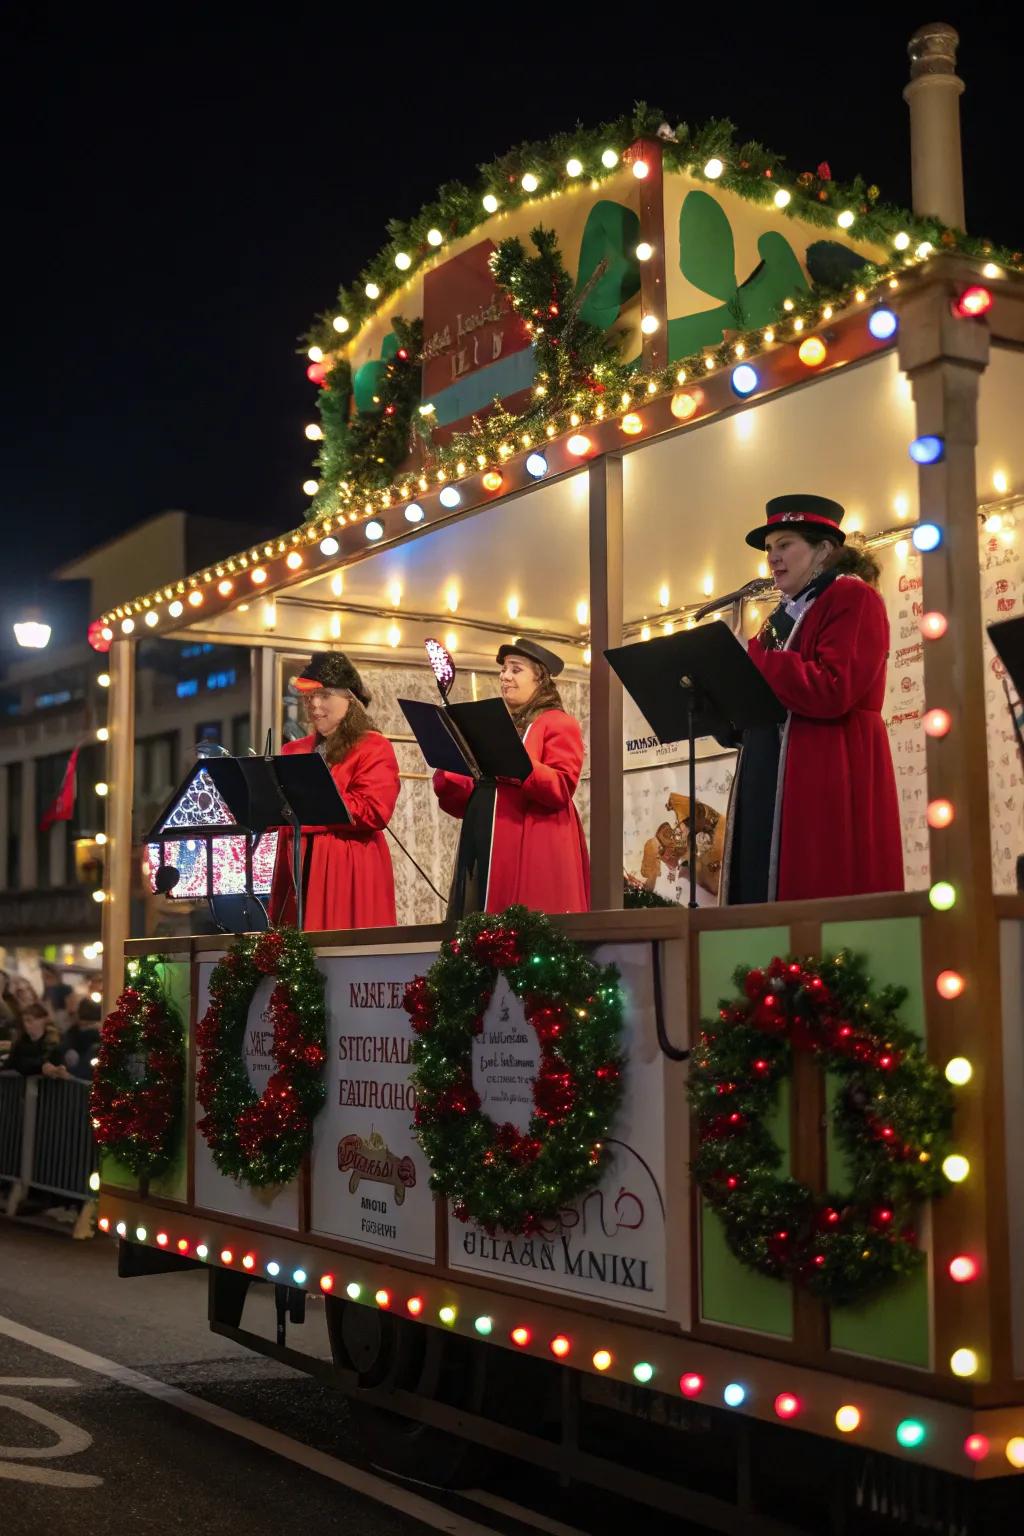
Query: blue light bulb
(745, 379)
(929, 449)
(883, 324)
(536, 465)
(734, 1394)
(926, 537)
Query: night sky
(187, 192)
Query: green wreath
(262, 1139)
(892, 1118)
(494, 1174)
(136, 1097)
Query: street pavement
(120, 1410)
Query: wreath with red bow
(136, 1097)
(493, 1173)
(261, 1139)
(891, 1118)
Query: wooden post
(605, 688)
(944, 358)
(653, 297)
(262, 703)
(120, 774)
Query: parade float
(659, 1197)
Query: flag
(61, 807)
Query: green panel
(611, 235)
(894, 1326)
(730, 1292)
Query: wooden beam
(605, 520)
(653, 292)
(116, 927)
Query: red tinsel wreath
(136, 1097)
(261, 1139)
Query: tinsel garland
(262, 1139)
(494, 1174)
(892, 1119)
(135, 1102)
(749, 170)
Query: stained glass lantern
(211, 840)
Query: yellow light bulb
(783, 198)
(645, 633)
(956, 1168)
(901, 241)
(451, 599)
(451, 640)
(394, 635)
(530, 182)
(963, 1362)
(490, 203)
(644, 251)
(512, 607)
(372, 291)
(102, 789)
(574, 167)
(663, 595)
(1001, 482)
(314, 432)
(102, 734)
(403, 261)
(315, 354)
(845, 219)
(708, 585)
(340, 324)
(714, 168)
(582, 611)
(959, 1071)
(649, 324)
(434, 237)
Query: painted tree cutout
(610, 236)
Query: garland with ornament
(136, 1098)
(710, 152)
(261, 1139)
(892, 1119)
(494, 1174)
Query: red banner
(61, 807)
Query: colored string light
(964, 1362)
(940, 814)
(977, 1447)
(942, 896)
(383, 1299)
(937, 723)
(602, 1360)
(521, 1336)
(484, 1325)
(847, 1418)
(926, 537)
(956, 1168)
(734, 1394)
(882, 324)
(299, 1276)
(910, 1433)
(933, 625)
(787, 1405)
(950, 985)
(974, 301)
(414, 1306)
(560, 1346)
(643, 1371)
(812, 352)
(447, 1316)
(928, 449)
(963, 1268)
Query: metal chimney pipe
(936, 169)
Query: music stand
(697, 682)
(483, 744)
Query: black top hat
(331, 669)
(798, 512)
(533, 652)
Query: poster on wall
(1002, 597)
(370, 1181)
(609, 1245)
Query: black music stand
(697, 682)
(476, 738)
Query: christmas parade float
(651, 1194)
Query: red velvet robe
(350, 883)
(837, 820)
(538, 851)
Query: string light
(520, 1336)
(530, 182)
(403, 261)
(1015, 1451)
(314, 432)
(435, 237)
(964, 1362)
(956, 1168)
(882, 324)
(974, 301)
(374, 531)
(937, 723)
(483, 1325)
(512, 607)
(372, 291)
(787, 1405)
(579, 444)
(783, 198)
(492, 480)
(1000, 482)
(560, 1346)
(340, 324)
(714, 168)
(643, 1372)
(293, 560)
(950, 985)
(962, 1268)
(602, 1360)
(490, 203)
(902, 240)
(928, 449)
(734, 1395)
(414, 513)
(574, 167)
(609, 158)
(847, 1418)
(958, 1069)
(933, 625)
(812, 352)
(450, 497)
(744, 379)
(225, 587)
(977, 1447)
(910, 1433)
(582, 611)
(536, 465)
(942, 896)
(845, 219)
(684, 405)
(649, 324)
(631, 424)
(691, 1384)
(940, 814)
(644, 251)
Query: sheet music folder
(487, 728)
(254, 788)
(1007, 637)
(729, 692)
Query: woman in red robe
(814, 810)
(523, 842)
(348, 880)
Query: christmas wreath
(492, 1173)
(262, 1139)
(892, 1118)
(136, 1097)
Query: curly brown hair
(546, 696)
(342, 739)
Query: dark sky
(187, 190)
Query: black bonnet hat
(331, 669)
(533, 652)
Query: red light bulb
(933, 625)
(327, 1282)
(691, 1384)
(560, 1346)
(937, 722)
(414, 1306)
(977, 1447)
(949, 984)
(520, 1336)
(940, 814)
(161, 1238)
(787, 1406)
(974, 301)
(963, 1268)
(104, 1223)
(226, 1256)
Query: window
(241, 735)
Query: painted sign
(506, 1060)
(370, 1180)
(611, 1244)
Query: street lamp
(32, 634)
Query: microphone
(756, 588)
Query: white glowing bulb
(644, 251)
(925, 249)
(663, 596)
(310, 487)
(714, 168)
(530, 183)
(270, 614)
(314, 432)
(102, 789)
(574, 167)
(1000, 481)
(512, 607)
(340, 324)
(991, 270)
(335, 626)
(609, 158)
(337, 583)
(641, 170)
(783, 198)
(102, 734)
(582, 611)
(451, 599)
(315, 354)
(395, 593)
(708, 585)
(176, 609)
(403, 261)
(901, 505)
(649, 324)
(451, 640)
(152, 618)
(372, 291)
(435, 237)
(127, 625)
(845, 219)
(490, 203)
(394, 635)
(902, 240)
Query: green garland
(493, 1174)
(749, 170)
(636, 895)
(135, 1102)
(892, 1119)
(261, 1139)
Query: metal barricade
(46, 1143)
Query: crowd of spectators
(55, 1034)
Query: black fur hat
(331, 669)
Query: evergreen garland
(892, 1119)
(135, 1102)
(494, 1174)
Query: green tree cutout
(707, 259)
(610, 236)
